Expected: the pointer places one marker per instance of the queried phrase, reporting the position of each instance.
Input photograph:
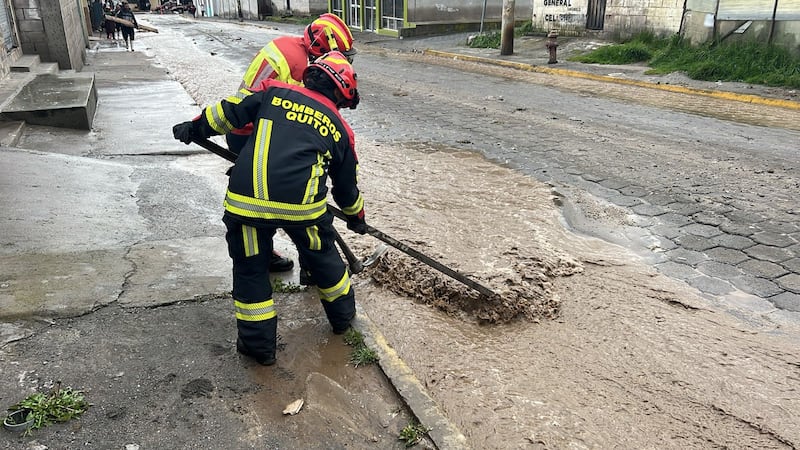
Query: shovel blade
(375, 256)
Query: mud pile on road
(523, 293)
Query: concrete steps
(32, 63)
(37, 93)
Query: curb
(745, 98)
(441, 431)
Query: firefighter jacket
(300, 139)
(283, 59)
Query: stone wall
(7, 59)
(622, 18)
(625, 18)
(53, 29)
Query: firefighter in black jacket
(280, 181)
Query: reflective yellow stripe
(278, 62)
(314, 241)
(273, 61)
(255, 312)
(331, 40)
(260, 159)
(240, 95)
(356, 207)
(268, 209)
(250, 238)
(312, 187)
(216, 119)
(339, 289)
(252, 70)
(343, 35)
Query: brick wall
(54, 30)
(628, 17)
(621, 18)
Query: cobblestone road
(717, 200)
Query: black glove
(357, 223)
(184, 132)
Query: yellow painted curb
(746, 98)
(441, 431)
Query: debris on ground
(522, 293)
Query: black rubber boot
(264, 360)
(280, 264)
(305, 278)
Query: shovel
(421, 257)
(356, 265)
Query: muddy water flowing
(618, 362)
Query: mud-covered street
(645, 245)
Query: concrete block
(65, 101)
(26, 26)
(30, 14)
(29, 4)
(25, 63)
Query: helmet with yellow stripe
(326, 33)
(332, 73)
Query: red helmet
(336, 66)
(326, 33)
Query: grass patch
(748, 62)
(412, 433)
(60, 405)
(361, 354)
(278, 285)
(492, 39)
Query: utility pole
(507, 28)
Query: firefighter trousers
(250, 249)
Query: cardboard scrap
(294, 407)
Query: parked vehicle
(172, 6)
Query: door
(369, 15)
(354, 13)
(595, 14)
(392, 14)
(264, 9)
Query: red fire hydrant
(552, 45)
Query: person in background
(280, 181)
(97, 15)
(128, 33)
(111, 29)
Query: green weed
(278, 285)
(60, 405)
(748, 62)
(487, 40)
(361, 354)
(412, 434)
(493, 39)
